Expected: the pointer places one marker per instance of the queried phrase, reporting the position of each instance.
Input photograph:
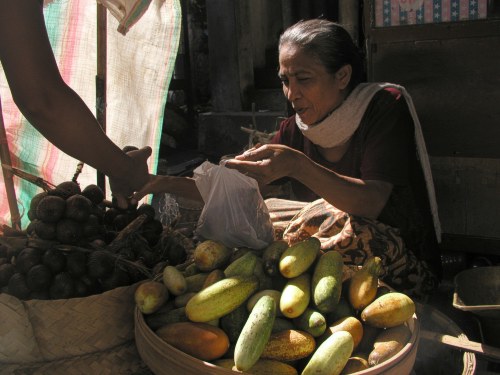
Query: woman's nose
(292, 91)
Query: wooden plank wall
(452, 72)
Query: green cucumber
(255, 333)
(327, 281)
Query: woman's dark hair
(329, 42)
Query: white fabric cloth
(126, 12)
(341, 124)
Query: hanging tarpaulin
(139, 68)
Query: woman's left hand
(266, 163)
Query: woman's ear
(344, 76)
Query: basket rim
(412, 345)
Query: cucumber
(299, 257)
(327, 282)
(255, 334)
(221, 298)
(311, 321)
(389, 310)
(271, 256)
(233, 322)
(174, 280)
(364, 283)
(388, 343)
(243, 266)
(331, 356)
(296, 296)
(209, 255)
(276, 294)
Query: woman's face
(310, 88)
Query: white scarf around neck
(340, 125)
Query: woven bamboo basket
(41, 333)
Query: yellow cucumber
(271, 256)
(221, 298)
(364, 283)
(209, 255)
(289, 345)
(296, 296)
(327, 281)
(243, 266)
(388, 343)
(174, 280)
(389, 310)
(331, 356)
(299, 257)
(255, 334)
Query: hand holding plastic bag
(234, 212)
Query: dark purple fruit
(76, 263)
(78, 208)
(94, 193)
(62, 286)
(66, 189)
(152, 231)
(6, 272)
(50, 208)
(38, 278)
(55, 260)
(17, 286)
(27, 258)
(45, 230)
(34, 204)
(68, 231)
(109, 216)
(92, 228)
(100, 264)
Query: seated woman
(355, 159)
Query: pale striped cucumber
(255, 334)
(331, 356)
(221, 298)
(297, 259)
(327, 281)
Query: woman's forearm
(352, 195)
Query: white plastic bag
(234, 212)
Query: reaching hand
(123, 187)
(156, 184)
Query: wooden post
(8, 175)
(101, 78)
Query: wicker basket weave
(38, 332)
